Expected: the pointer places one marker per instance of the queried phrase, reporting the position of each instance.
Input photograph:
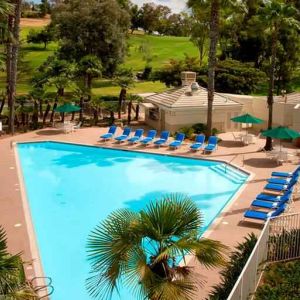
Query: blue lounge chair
(164, 136)
(124, 136)
(263, 215)
(211, 144)
(137, 136)
(265, 197)
(280, 180)
(281, 187)
(178, 141)
(111, 132)
(199, 142)
(286, 174)
(268, 204)
(149, 138)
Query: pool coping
(33, 244)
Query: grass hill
(157, 50)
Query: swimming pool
(71, 188)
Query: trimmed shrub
(199, 128)
(280, 281)
(188, 131)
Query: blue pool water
(71, 188)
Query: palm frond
(210, 253)
(108, 247)
(175, 214)
(179, 289)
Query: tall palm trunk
(35, 115)
(2, 105)
(129, 112)
(40, 108)
(81, 109)
(46, 112)
(122, 98)
(269, 146)
(53, 111)
(137, 112)
(13, 52)
(88, 84)
(212, 58)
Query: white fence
(249, 278)
(279, 241)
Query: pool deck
(229, 228)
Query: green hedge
(281, 281)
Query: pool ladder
(229, 163)
(45, 290)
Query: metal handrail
(48, 287)
(228, 163)
(50, 290)
(44, 278)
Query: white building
(187, 105)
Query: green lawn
(158, 49)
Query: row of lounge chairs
(138, 137)
(277, 196)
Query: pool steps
(231, 173)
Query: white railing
(279, 241)
(249, 278)
(284, 240)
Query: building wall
(283, 113)
(296, 119)
(177, 119)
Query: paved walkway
(229, 228)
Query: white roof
(184, 98)
(293, 98)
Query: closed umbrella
(281, 133)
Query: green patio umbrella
(67, 108)
(247, 119)
(281, 133)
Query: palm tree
(81, 92)
(144, 250)
(212, 59)
(138, 100)
(276, 15)
(12, 55)
(12, 280)
(132, 98)
(124, 79)
(89, 67)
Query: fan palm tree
(89, 67)
(132, 98)
(144, 250)
(12, 280)
(124, 79)
(276, 15)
